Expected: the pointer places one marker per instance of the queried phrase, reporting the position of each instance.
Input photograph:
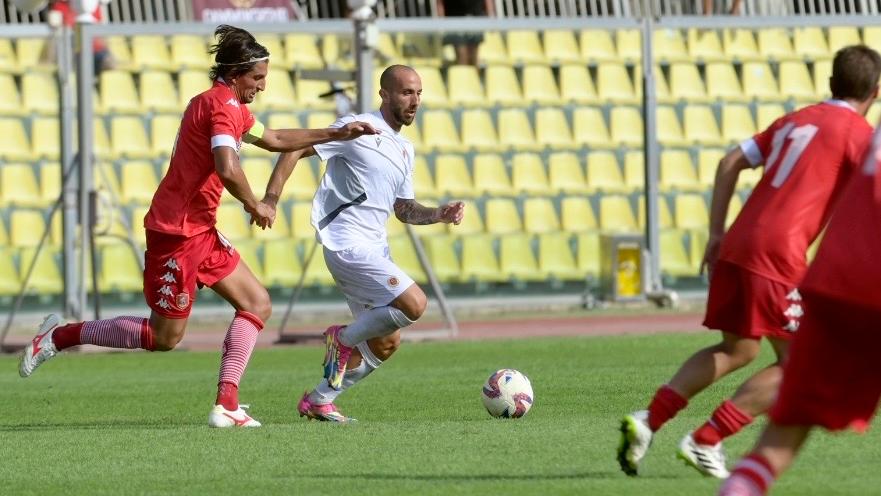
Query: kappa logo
(165, 290)
(182, 300)
(168, 277)
(172, 264)
(233, 102)
(163, 304)
(393, 281)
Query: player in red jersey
(832, 377)
(184, 250)
(755, 267)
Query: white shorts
(367, 276)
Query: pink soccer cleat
(336, 357)
(323, 413)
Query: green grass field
(135, 423)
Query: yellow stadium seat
(129, 138)
(163, 134)
(413, 134)
(822, 73)
(540, 216)
(565, 173)
(301, 221)
(677, 172)
(15, 144)
(516, 258)
(39, 91)
(387, 47)
(662, 90)
(18, 185)
(775, 43)
(502, 216)
(616, 214)
(11, 103)
(106, 180)
(248, 250)
(589, 129)
(524, 47)
(576, 85)
(674, 258)
(46, 277)
(561, 46)
(528, 174)
(421, 49)
(479, 261)
(552, 129)
(491, 176)
(26, 227)
(440, 131)
(722, 82)
(705, 45)
(30, 55)
(158, 93)
(122, 54)
(478, 130)
(404, 254)
(669, 131)
(50, 182)
(302, 51)
(749, 178)
(734, 208)
(634, 169)
(810, 42)
(118, 93)
(629, 44)
(9, 282)
(452, 177)
(442, 255)
(614, 84)
(301, 185)
(120, 271)
(665, 218)
(502, 86)
(597, 46)
(737, 123)
(577, 215)
(707, 163)
(279, 93)
(272, 42)
(796, 80)
(668, 45)
(45, 138)
(842, 36)
(759, 82)
(604, 173)
(8, 61)
(464, 86)
(539, 85)
(423, 182)
(150, 52)
(767, 113)
(515, 131)
(434, 91)
(189, 52)
(190, 83)
(588, 254)
(690, 211)
(232, 222)
(317, 120)
(336, 50)
(308, 91)
(700, 125)
(317, 273)
(740, 44)
(686, 83)
(874, 113)
(281, 265)
(555, 258)
(139, 182)
(472, 222)
(626, 126)
(697, 246)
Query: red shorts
(176, 265)
(749, 305)
(832, 377)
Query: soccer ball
(507, 394)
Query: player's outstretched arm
(289, 140)
(282, 171)
(226, 164)
(723, 189)
(409, 211)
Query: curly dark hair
(235, 52)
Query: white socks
(324, 394)
(374, 323)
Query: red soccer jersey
(808, 156)
(186, 201)
(846, 267)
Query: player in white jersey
(365, 179)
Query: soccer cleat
(636, 437)
(323, 413)
(708, 460)
(336, 357)
(221, 417)
(41, 348)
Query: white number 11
(801, 136)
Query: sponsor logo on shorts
(794, 311)
(182, 300)
(171, 264)
(165, 290)
(393, 281)
(162, 303)
(168, 277)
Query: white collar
(840, 103)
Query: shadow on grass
(610, 474)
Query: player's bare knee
(166, 341)
(261, 306)
(383, 348)
(412, 303)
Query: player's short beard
(401, 118)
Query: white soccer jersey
(364, 176)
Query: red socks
(67, 335)
(664, 406)
(726, 421)
(228, 396)
(753, 476)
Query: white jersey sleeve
(333, 148)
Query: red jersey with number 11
(808, 156)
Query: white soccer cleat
(221, 417)
(708, 460)
(636, 437)
(41, 348)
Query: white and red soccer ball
(507, 394)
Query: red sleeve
(225, 120)
(858, 144)
(248, 118)
(763, 140)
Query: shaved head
(392, 74)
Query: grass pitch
(136, 423)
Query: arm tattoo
(410, 212)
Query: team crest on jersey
(393, 281)
(182, 300)
(378, 141)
